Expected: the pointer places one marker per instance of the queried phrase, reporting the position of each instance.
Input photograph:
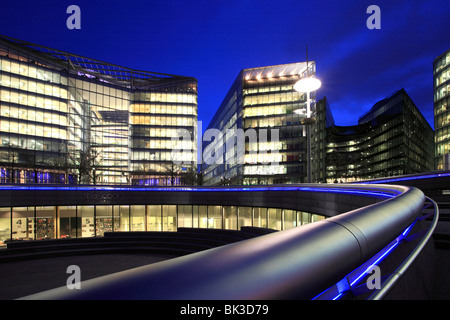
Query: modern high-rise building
(441, 86)
(392, 138)
(256, 137)
(65, 118)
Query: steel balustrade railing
(298, 263)
(389, 284)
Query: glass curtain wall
(164, 126)
(260, 104)
(71, 119)
(36, 223)
(441, 87)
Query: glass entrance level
(52, 222)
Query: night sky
(213, 40)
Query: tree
(84, 163)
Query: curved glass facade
(79, 221)
(392, 139)
(71, 119)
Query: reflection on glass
(169, 218)
(203, 216)
(86, 214)
(214, 217)
(68, 222)
(185, 216)
(290, 219)
(123, 212)
(245, 217)
(23, 225)
(103, 219)
(137, 218)
(5, 225)
(45, 222)
(260, 217)
(154, 214)
(274, 219)
(230, 217)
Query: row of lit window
(443, 148)
(163, 156)
(441, 106)
(273, 98)
(32, 100)
(283, 120)
(263, 157)
(154, 132)
(163, 144)
(442, 133)
(34, 223)
(264, 169)
(32, 115)
(33, 129)
(38, 144)
(444, 76)
(25, 69)
(442, 62)
(151, 167)
(33, 86)
(163, 121)
(164, 97)
(441, 92)
(264, 111)
(163, 109)
(264, 89)
(264, 146)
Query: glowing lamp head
(307, 85)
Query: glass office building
(392, 138)
(441, 86)
(255, 137)
(71, 119)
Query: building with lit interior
(441, 86)
(71, 119)
(392, 138)
(255, 137)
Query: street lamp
(307, 85)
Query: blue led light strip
(416, 177)
(380, 256)
(384, 193)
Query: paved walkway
(22, 278)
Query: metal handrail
(296, 263)
(397, 274)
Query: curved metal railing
(297, 263)
(395, 276)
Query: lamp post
(307, 85)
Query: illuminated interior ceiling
(282, 70)
(91, 68)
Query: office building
(441, 86)
(65, 118)
(392, 138)
(256, 137)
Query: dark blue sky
(213, 40)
